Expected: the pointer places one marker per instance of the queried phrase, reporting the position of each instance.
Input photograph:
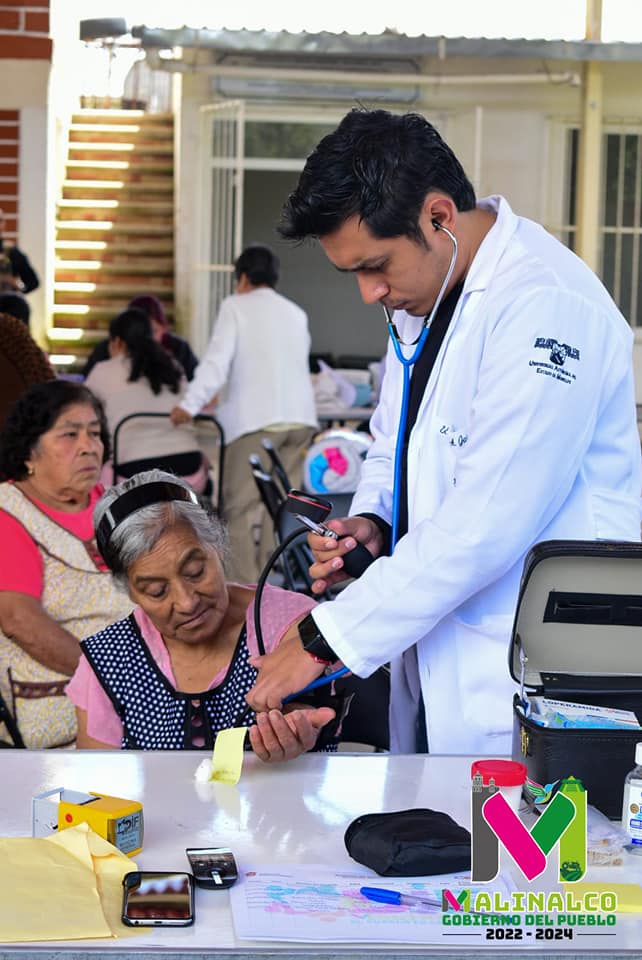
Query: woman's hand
(278, 736)
(328, 552)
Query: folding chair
(278, 470)
(200, 418)
(11, 726)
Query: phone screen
(154, 898)
(213, 866)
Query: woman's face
(66, 461)
(181, 587)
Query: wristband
(314, 643)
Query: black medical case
(577, 636)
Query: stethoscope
(407, 363)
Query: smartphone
(213, 867)
(158, 899)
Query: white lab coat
(257, 363)
(517, 440)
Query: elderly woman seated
(176, 671)
(54, 587)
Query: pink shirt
(279, 610)
(21, 568)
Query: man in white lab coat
(256, 364)
(525, 430)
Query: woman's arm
(23, 619)
(83, 740)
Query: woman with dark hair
(140, 377)
(54, 587)
(174, 345)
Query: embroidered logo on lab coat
(554, 364)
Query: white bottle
(632, 803)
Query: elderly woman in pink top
(176, 671)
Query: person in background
(176, 346)
(14, 304)
(54, 587)
(257, 364)
(175, 672)
(141, 377)
(22, 362)
(16, 272)
(522, 430)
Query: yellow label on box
(117, 820)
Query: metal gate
(222, 137)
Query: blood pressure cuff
(409, 843)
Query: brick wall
(24, 30)
(9, 145)
(24, 35)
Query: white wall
(24, 87)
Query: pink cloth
(21, 567)
(279, 610)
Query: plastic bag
(605, 840)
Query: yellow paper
(109, 865)
(629, 895)
(227, 759)
(63, 887)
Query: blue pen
(319, 682)
(393, 896)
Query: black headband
(159, 491)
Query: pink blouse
(279, 610)
(21, 568)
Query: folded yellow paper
(64, 887)
(227, 758)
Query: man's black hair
(379, 166)
(259, 264)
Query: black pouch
(409, 843)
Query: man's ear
(440, 208)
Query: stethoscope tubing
(407, 363)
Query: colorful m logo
(459, 903)
(494, 822)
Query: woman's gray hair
(138, 534)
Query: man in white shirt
(256, 364)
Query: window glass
(286, 141)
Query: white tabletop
(294, 813)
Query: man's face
(397, 272)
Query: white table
(291, 814)
(328, 416)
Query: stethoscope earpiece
(418, 344)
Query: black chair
(271, 496)
(367, 719)
(295, 560)
(200, 418)
(278, 470)
(9, 721)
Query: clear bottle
(632, 803)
